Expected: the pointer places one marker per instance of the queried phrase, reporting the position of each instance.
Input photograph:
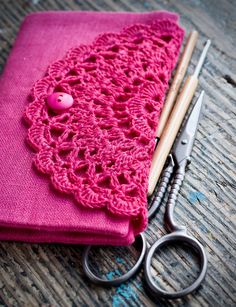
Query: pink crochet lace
(100, 149)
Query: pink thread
(100, 149)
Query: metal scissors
(172, 176)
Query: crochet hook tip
(202, 58)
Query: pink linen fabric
(31, 210)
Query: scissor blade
(183, 147)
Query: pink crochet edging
(100, 149)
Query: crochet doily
(100, 150)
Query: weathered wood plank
(32, 274)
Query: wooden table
(51, 274)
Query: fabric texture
(99, 150)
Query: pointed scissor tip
(201, 94)
(197, 107)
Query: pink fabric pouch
(88, 180)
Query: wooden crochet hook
(174, 122)
(178, 78)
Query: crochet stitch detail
(100, 149)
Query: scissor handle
(157, 197)
(178, 236)
(170, 223)
(140, 242)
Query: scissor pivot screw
(184, 141)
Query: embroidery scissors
(172, 176)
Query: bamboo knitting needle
(174, 122)
(178, 78)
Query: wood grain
(51, 274)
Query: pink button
(59, 101)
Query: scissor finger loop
(174, 237)
(141, 244)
